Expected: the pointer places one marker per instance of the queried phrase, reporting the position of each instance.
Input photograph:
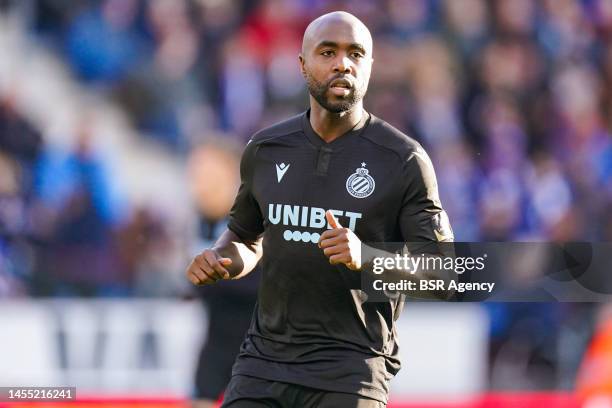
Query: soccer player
(312, 189)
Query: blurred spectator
(75, 190)
(523, 348)
(550, 197)
(102, 42)
(18, 138)
(467, 26)
(242, 85)
(148, 255)
(406, 23)
(514, 17)
(20, 145)
(213, 170)
(13, 275)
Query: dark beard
(319, 91)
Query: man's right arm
(230, 258)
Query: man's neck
(330, 126)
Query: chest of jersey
(295, 184)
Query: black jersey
(311, 324)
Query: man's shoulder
(286, 127)
(389, 137)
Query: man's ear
(302, 62)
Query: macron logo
(281, 170)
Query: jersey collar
(340, 141)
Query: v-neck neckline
(341, 140)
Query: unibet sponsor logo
(312, 217)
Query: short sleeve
(245, 218)
(422, 218)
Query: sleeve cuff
(243, 233)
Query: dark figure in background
(215, 179)
(20, 146)
(19, 139)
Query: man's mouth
(341, 87)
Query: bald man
(312, 189)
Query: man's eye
(327, 53)
(357, 55)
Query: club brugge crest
(360, 184)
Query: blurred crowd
(511, 98)
(64, 231)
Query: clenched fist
(340, 244)
(207, 268)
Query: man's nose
(343, 64)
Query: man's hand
(340, 244)
(207, 268)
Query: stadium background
(105, 107)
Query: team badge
(360, 184)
